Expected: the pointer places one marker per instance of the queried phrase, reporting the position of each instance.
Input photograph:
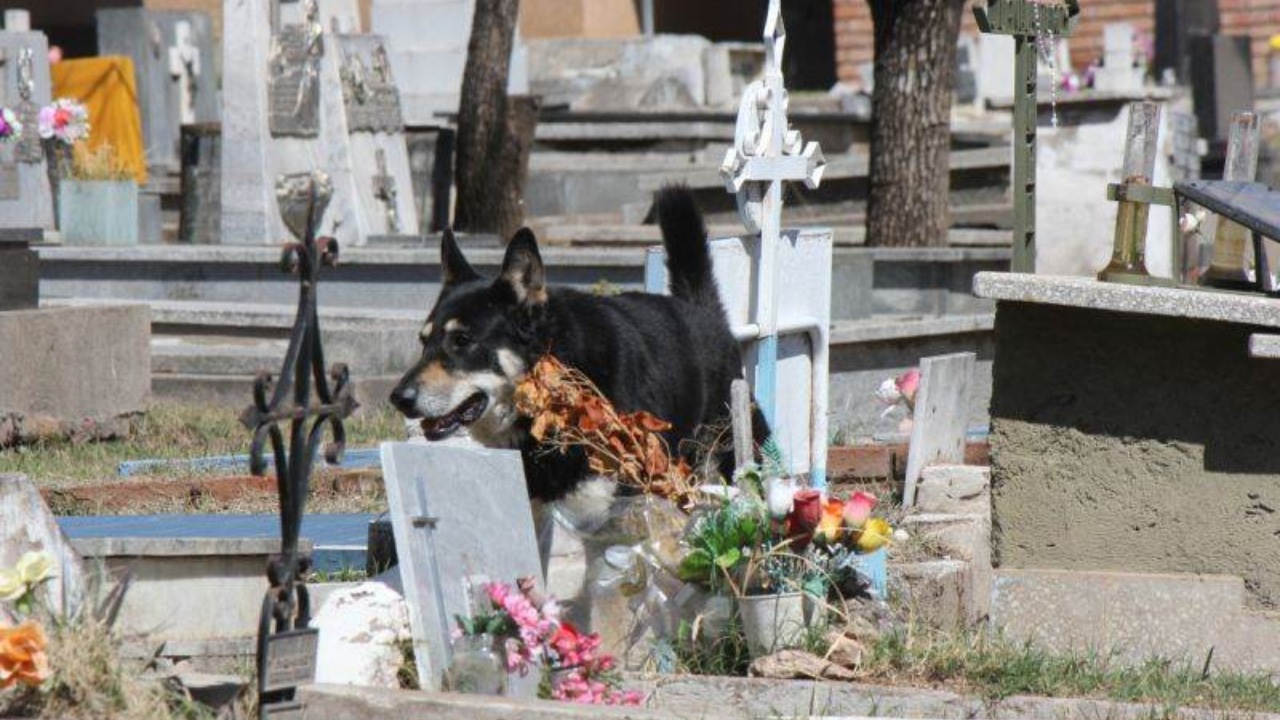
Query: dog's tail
(684, 234)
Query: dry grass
(102, 163)
(166, 432)
(90, 682)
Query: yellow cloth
(109, 91)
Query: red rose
(804, 517)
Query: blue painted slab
(339, 539)
(239, 464)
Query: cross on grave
(384, 189)
(766, 153)
(1030, 22)
(184, 68)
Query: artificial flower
(829, 526)
(806, 511)
(874, 535)
(34, 567)
(66, 120)
(858, 509)
(11, 585)
(22, 655)
(780, 495)
(908, 383)
(10, 126)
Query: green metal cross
(1026, 21)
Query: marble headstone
(461, 517)
(172, 52)
(282, 114)
(1118, 73)
(26, 200)
(375, 124)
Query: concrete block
(340, 702)
(70, 365)
(955, 489)
(939, 592)
(962, 537)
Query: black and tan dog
(674, 357)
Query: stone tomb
(294, 118)
(461, 518)
(25, 198)
(172, 53)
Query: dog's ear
(453, 265)
(522, 268)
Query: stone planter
(772, 622)
(97, 212)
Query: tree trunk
(915, 58)
(494, 132)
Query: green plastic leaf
(729, 558)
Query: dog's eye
(461, 339)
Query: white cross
(184, 68)
(767, 152)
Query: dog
(673, 356)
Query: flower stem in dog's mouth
(469, 411)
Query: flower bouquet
(22, 646)
(517, 630)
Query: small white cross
(184, 68)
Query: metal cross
(384, 189)
(1027, 21)
(184, 68)
(765, 154)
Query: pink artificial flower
(908, 383)
(55, 54)
(858, 509)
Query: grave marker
(459, 515)
(172, 52)
(767, 153)
(27, 525)
(1118, 73)
(1030, 22)
(940, 417)
(26, 200)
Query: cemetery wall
(1259, 19)
(1136, 443)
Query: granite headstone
(26, 200)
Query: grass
(167, 432)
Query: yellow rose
(34, 567)
(875, 535)
(11, 585)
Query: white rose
(11, 585)
(34, 567)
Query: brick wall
(1260, 19)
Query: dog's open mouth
(439, 428)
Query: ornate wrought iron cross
(1028, 21)
(766, 153)
(286, 643)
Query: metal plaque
(294, 77)
(369, 93)
(28, 148)
(291, 659)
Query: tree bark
(910, 179)
(495, 132)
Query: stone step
(1178, 617)
(236, 391)
(961, 537)
(215, 355)
(960, 489)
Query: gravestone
(1118, 73)
(17, 20)
(461, 517)
(282, 115)
(27, 525)
(940, 417)
(1221, 82)
(172, 52)
(26, 200)
(375, 124)
(1177, 23)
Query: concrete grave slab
(461, 516)
(940, 418)
(27, 525)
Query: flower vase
(476, 668)
(772, 622)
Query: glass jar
(477, 667)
